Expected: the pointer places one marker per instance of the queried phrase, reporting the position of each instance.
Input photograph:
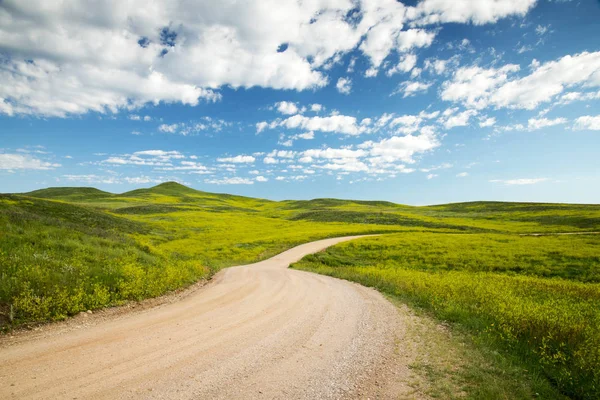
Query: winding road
(256, 331)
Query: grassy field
(66, 250)
(535, 297)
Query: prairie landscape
(300, 199)
(500, 272)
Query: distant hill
(69, 193)
(165, 189)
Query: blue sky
(418, 102)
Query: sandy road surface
(256, 331)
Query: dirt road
(257, 331)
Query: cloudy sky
(417, 102)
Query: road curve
(257, 331)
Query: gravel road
(259, 331)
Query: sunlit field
(67, 250)
(538, 297)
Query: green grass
(533, 297)
(531, 302)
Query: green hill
(69, 249)
(164, 189)
(69, 193)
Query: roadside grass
(451, 363)
(58, 258)
(495, 287)
(529, 303)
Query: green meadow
(474, 265)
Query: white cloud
(539, 123)
(521, 181)
(402, 148)
(241, 159)
(473, 85)
(230, 181)
(109, 55)
(541, 30)
(414, 38)
(287, 107)
(480, 88)
(185, 129)
(412, 88)
(261, 126)
(157, 158)
(371, 72)
(588, 122)
(191, 167)
(334, 123)
(406, 64)
(344, 85)
(438, 66)
(261, 178)
(316, 107)
(19, 161)
(487, 122)
(570, 97)
(431, 176)
(305, 136)
(437, 167)
(172, 128)
(119, 180)
(92, 179)
(461, 119)
(478, 12)
(462, 174)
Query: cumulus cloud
(191, 128)
(21, 161)
(316, 107)
(570, 97)
(479, 88)
(450, 119)
(287, 107)
(473, 86)
(69, 57)
(168, 128)
(539, 123)
(145, 157)
(588, 122)
(520, 181)
(406, 64)
(461, 11)
(343, 124)
(487, 122)
(344, 85)
(401, 148)
(412, 88)
(230, 181)
(241, 159)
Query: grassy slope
(64, 250)
(535, 298)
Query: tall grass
(65, 250)
(473, 280)
(57, 259)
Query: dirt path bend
(257, 331)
